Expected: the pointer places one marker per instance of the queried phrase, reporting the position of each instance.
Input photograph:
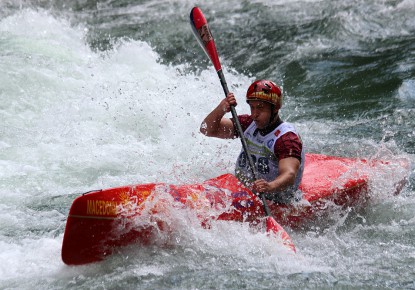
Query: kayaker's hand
(262, 185)
(228, 102)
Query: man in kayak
(274, 145)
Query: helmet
(267, 91)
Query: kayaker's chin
(260, 125)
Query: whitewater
(75, 118)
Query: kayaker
(275, 146)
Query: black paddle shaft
(242, 137)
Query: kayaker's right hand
(227, 102)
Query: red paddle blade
(204, 36)
(274, 228)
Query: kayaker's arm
(215, 124)
(288, 168)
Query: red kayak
(103, 220)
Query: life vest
(261, 149)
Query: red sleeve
(245, 121)
(288, 145)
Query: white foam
(406, 91)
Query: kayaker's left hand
(262, 185)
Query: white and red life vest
(261, 149)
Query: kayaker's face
(261, 113)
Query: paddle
(204, 37)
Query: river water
(99, 94)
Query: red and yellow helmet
(266, 91)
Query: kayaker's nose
(254, 113)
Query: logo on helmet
(263, 96)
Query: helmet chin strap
(273, 119)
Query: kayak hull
(100, 222)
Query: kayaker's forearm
(288, 168)
(211, 124)
(282, 182)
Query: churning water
(98, 94)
